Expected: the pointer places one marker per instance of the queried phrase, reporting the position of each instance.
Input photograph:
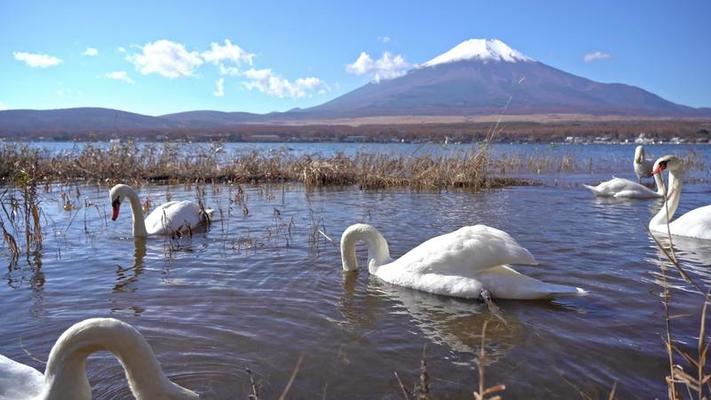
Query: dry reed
(133, 164)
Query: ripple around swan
(260, 290)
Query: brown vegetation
(130, 163)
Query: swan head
(639, 154)
(116, 195)
(668, 162)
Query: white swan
(642, 167)
(625, 188)
(695, 223)
(166, 219)
(462, 263)
(65, 375)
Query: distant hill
(79, 120)
(206, 118)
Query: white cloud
(90, 52)
(229, 52)
(388, 66)
(3, 106)
(166, 58)
(37, 60)
(172, 60)
(269, 83)
(62, 92)
(229, 71)
(121, 50)
(384, 39)
(119, 76)
(220, 87)
(595, 56)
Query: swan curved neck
(671, 203)
(139, 223)
(661, 190)
(65, 375)
(639, 155)
(378, 251)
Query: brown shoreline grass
(132, 164)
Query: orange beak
(116, 206)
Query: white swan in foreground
(65, 375)
(695, 223)
(625, 188)
(642, 166)
(462, 263)
(166, 219)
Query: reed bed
(166, 164)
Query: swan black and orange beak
(116, 206)
(661, 167)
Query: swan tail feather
(562, 290)
(592, 188)
(505, 282)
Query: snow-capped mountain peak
(480, 49)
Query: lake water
(259, 289)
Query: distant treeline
(464, 132)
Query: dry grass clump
(135, 164)
(20, 206)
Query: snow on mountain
(482, 49)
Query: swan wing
(19, 381)
(504, 282)
(174, 216)
(695, 223)
(464, 253)
(637, 194)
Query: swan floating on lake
(642, 166)
(166, 219)
(65, 375)
(626, 189)
(695, 223)
(462, 263)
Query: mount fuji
(483, 76)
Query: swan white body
(695, 223)
(65, 375)
(460, 264)
(642, 166)
(626, 189)
(166, 219)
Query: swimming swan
(65, 375)
(462, 263)
(695, 223)
(166, 219)
(625, 188)
(642, 167)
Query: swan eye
(663, 165)
(115, 203)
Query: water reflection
(454, 323)
(126, 276)
(694, 256)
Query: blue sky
(157, 57)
